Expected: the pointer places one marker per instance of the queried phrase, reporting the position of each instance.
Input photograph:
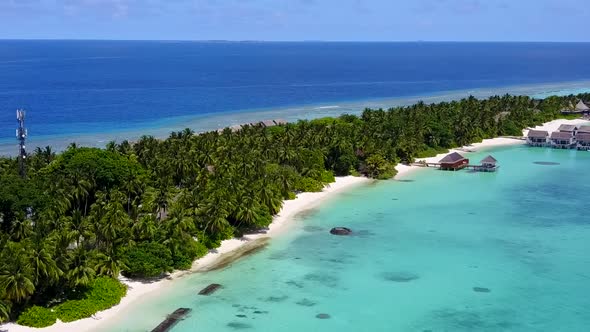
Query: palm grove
(84, 216)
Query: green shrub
(431, 152)
(345, 163)
(202, 250)
(378, 167)
(308, 185)
(291, 196)
(328, 177)
(184, 256)
(106, 292)
(36, 316)
(102, 294)
(147, 260)
(72, 310)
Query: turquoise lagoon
(520, 237)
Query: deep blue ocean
(92, 91)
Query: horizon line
(298, 41)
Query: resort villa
(583, 141)
(562, 139)
(537, 138)
(583, 138)
(566, 137)
(487, 164)
(453, 162)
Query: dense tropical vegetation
(86, 215)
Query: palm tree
(108, 265)
(144, 228)
(16, 277)
(115, 221)
(80, 273)
(80, 194)
(4, 311)
(111, 146)
(42, 263)
(21, 229)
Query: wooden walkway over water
(478, 168)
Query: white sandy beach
(136, 289)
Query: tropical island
(81, 218)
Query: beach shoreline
(137, 289)
(280, 224)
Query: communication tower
(21, 136)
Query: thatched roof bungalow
(489, 161)
(581, 107)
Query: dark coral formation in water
(323, 279)
(306, 303)
(546, 163)
(399, 276)
(294, 284)
(481, 289)
(471, 320)
(276, 299)
(260, 312)
(322, 316)
(239, 326)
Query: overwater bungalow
(584, 130)
(487, 164)
(453, 162)
(583, 141)
(562, 140)
(567, 128)
(537, 138)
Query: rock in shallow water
(546, 163)
(340, 231)
(322, 316)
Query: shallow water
(461, 251)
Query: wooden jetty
(210, 289)
(172, 320)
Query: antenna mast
(21, 135)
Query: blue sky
(362, 20)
